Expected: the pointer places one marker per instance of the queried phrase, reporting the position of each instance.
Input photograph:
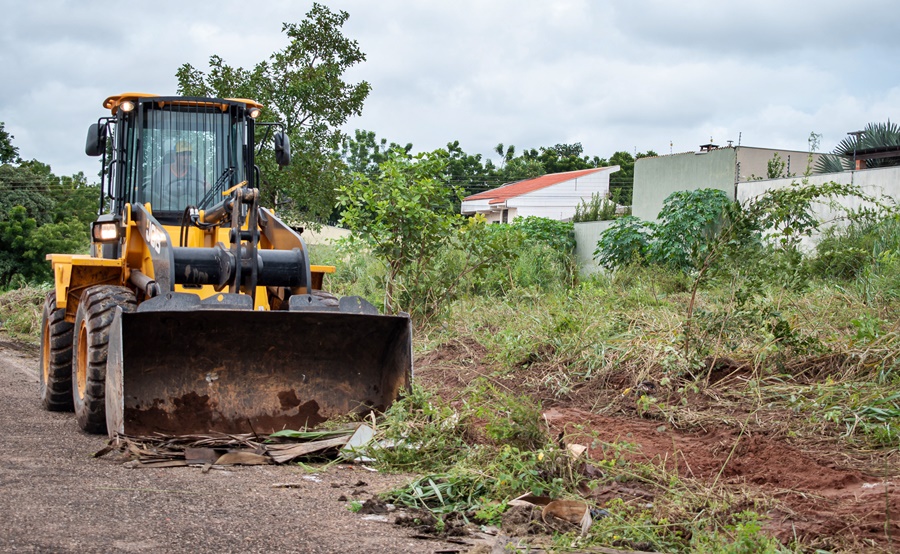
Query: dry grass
(20, 313)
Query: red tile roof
(505, 192)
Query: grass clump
(20, 312)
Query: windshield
(184, 155)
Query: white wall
(554, 202)
(874, 182)
(559, 201)
(586, 236)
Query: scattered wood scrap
(220, 449)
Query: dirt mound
(818, 497)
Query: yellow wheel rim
(81, 366)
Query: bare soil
(825, 494)
(55, 497)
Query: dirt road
(54, 497)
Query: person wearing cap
(177, 182)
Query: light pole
(856, 134)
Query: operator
(177, 182)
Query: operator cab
(175, 152)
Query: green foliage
(559, 235)
(863, 254)
(424, 433)
(355, 506)
(509, 419)
(301, 86)
(874, 135)
(403, 215)
(689, 224)
(625, 242)
(364, 153)
(598, 209)
(41, 214)
(8, 153)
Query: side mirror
(96, 140)
(282, 149)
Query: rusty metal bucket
(243, 371)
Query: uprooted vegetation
(733, 393)
(728, 394)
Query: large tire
(56, 358)
(91, 344)
(326, 298)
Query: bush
(624, 242)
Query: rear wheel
(56, 358)
(92, 321)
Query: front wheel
(56, 358)
(92, 321)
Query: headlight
(254, 112)
(106, 231)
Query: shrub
(624, 242)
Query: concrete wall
(586, 236)
(656, 178)
(753, 163)
(874, 182)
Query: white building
(553, 196)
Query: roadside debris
(220, 449)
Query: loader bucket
(244, 371)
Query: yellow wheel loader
(197, 309)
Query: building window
(505, 216)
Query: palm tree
(875, 135)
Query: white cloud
(613, 75)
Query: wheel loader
(198, 310)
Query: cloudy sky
(614, 75)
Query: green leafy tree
(301, 86)
(8, 152)
(622, 182)
(624, 242)
(26, 245)
(404, 216)
(363, 153)
(687, 226)
(41, 213)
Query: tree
(874, 135)
(364, 153)
(302, 87)
(8, 153)
(404, 216)
(41, 214)
(623, 180)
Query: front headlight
(105, 231)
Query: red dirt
(823, 498)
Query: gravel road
(54, 497)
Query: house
(712, 167)
(553, 196)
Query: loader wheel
(326, 298)
(92, 320)
(56, 358)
